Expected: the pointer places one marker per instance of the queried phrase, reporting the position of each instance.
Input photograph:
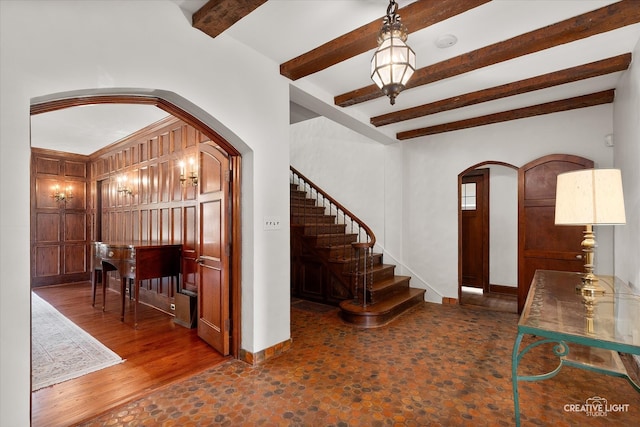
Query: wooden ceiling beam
(217, 15)
(611, 17)
(604, 97)
(568, 75)
(415, 16)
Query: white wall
(349, 166)
(503, 226)
(428, 169)
(48, 47)
(361, 174)
(626, 137)
(432, 165)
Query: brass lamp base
(590, 285)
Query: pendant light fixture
(394, 62)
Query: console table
(587, 332)
(134, 261)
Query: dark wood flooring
(490, 301)
(158, 353)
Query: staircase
(332, 260)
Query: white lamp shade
(589, 196)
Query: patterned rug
(60, 350)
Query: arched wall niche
(198, 118)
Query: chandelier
(394, 62)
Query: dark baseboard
(266, 354)
(501, 289)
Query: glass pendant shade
(394, 62)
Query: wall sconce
(122, 186)
(193, 175)
(589, 197)
(61, 195)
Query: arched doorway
(487, 236)
(204, 123)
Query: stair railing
(361, 250)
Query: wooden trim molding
(502, 289)
(150, 99)
(266, 354)
(73, 100)
(487, 163)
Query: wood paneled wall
(158, 209)
(59, 229)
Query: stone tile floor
(437, 365)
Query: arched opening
(488, 236)
(207, 126)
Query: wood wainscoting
(60, 229)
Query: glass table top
(555, 309)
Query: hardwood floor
(489, 301)
(158, 353)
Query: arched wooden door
(214, 225)
(541, 244)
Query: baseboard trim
(266, 354)
(500, 289)
(447, 300)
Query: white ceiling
(285, 29)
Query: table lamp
(589, 197)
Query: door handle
(200, 261)
(578, 256)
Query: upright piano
(133, 261)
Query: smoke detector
(446, 41)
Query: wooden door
(213, 248)
(541, 244)
(474, 204)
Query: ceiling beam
(604, 97)
(568, 75)
(217, 15)
(415, 16)
(611, 17)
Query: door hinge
(227, 250)
(227, 325)
(227, 176)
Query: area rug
(60, 350)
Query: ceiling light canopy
(394, 62)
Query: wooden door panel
(541, 230)
(475, 232)
(213, 256)
(471, 249)
(212, 175)
(211, 220)
(210, 322)
(541, 244)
